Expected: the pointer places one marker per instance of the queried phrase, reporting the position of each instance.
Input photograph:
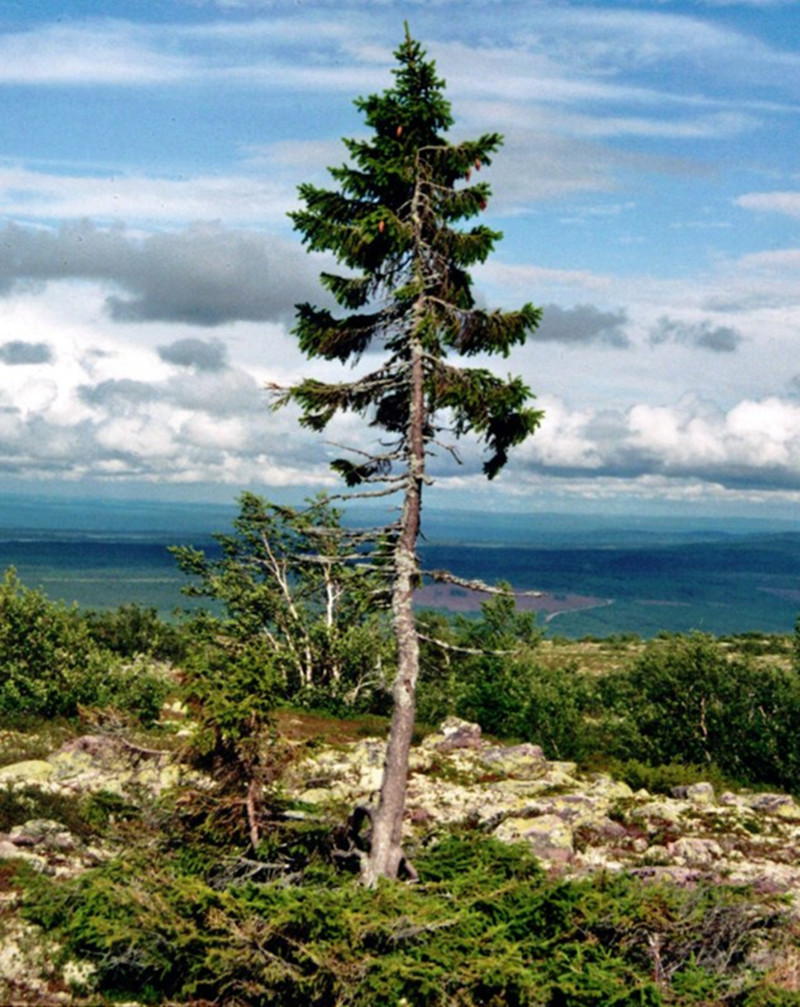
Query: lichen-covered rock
(43, 833)
(95, 762)
(607, 788)
(780, 805)
(573, 823)
(526, 761)
(549, 836)
(454, 733)
(694, 851)
(29, 771)
(25, 963)
(697, 793)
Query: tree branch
(445, 577)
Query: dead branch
(445, 577)
(474, 651)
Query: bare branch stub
(471, 584)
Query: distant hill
(603, 575)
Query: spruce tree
(391, 222)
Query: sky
(648, 191)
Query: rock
(549, 836)
(657, 814)
(694, 852)
(780, 805)
(608, 789)
(454, 733)
(700, 793)
(8, 849)
(562, 776)
(524, 761)
(29, 771)
(578, 809)
(25, 958)
(98, 762)
(45, 833)
(603, 831)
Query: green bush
(132, 629)
(285, 580)
(138, 688)
(49, 665)
(662, 779)
(685, 701)
(484, 926)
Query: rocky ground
(576, 824)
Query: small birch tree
(391, 222)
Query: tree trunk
(386, 857)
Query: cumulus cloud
(755, 443)
(194, 426)
(204, 275)
(203, 355)
(117, 393)
(702, 334)
(583, 324)
(17, 353)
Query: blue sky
(648, 191)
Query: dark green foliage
(390, 221)
(24, 737)
(85, 817)
(141, 926)
(486, 669)
(18, 804)
(484, 926)
(472, 664)
(683, 710)
(137, 688)
(685, 701)
(663, 779)
(132, 629)
(49, 664)
(796, 646)
(522, 699)
(301, 624)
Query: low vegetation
(484, 925)
(226, 895)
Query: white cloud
(772, 202)
(519, 279)
(755, 443)
(98, 52)
(29, 194)
(107, 364)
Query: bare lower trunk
(386, 857)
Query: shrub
(663, 779)
(484, 926)
(683, 700)
(138, 688)
(132, 629)
(49, 664)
